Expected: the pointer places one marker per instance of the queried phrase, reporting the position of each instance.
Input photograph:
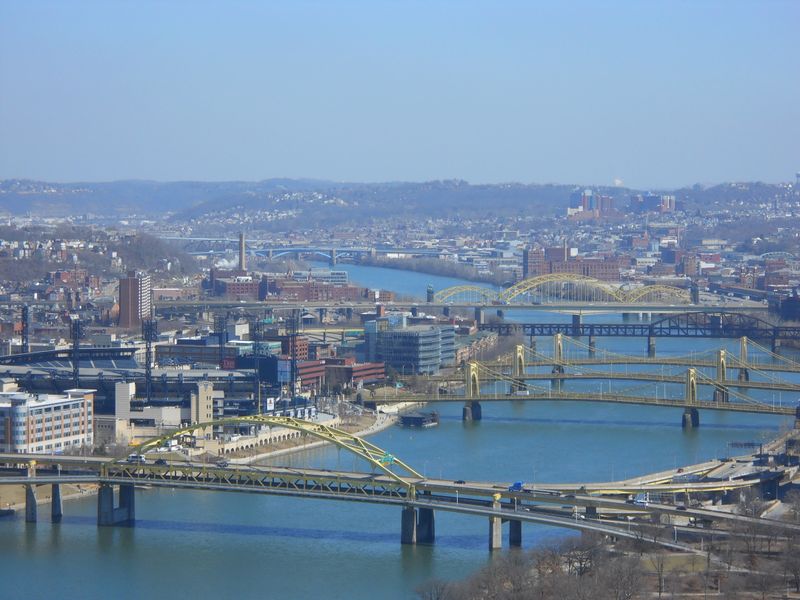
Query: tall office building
(135, 299)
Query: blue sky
(656, 94)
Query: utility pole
(292, 328)
(221, 331)
(257, 335)
(150, 334)
(76, 333)
(26, 325)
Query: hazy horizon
(657, 95)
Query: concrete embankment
(382, 421)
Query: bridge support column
(691, 418)
(721, 394)
(426, 526)
(408, 525)
(333, 257)
(31, 509)
(480, 316)
(651, 346)
(592, 346)
(107, 514)
(515, 534)
(56, 507)
(591, 512)
(495, 529)
(577, 320)
(472, 411)
(776, 344)
(532, 343)
(744, 374)
(797, 418)
(555, 383)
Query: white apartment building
(46, 423)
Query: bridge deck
(597, 397)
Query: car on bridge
(517, 486)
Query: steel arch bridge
(777, 255)
(469, 293)
(653, 293)
(561, 286)
(377, 457)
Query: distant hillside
(129, 197)
(313, 202)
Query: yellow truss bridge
(563, 287)
(375, 456)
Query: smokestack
(242, 261)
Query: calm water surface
(217, 545)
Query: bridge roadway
(680, 361)
(648, 330)
(611, 398)
(551, 504)
(566, 307)
(653, 377)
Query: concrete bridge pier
(31, 509)
(107, 514)
(408, 525)
(426, 526)
(515, 534)
(56, 507)
(472, 411)
(532, 343)
(744, 374)
(691, 418)
(651, 346)
(721, 394)
(592, 346)
(495, 533)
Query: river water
(221, 545)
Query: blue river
(223, 545)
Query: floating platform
(419, 419)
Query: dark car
(222, 464)
(160, 461)
(459, 482)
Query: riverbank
(379, 422)
(435, 267)
(12, 497)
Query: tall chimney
(242, 261)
